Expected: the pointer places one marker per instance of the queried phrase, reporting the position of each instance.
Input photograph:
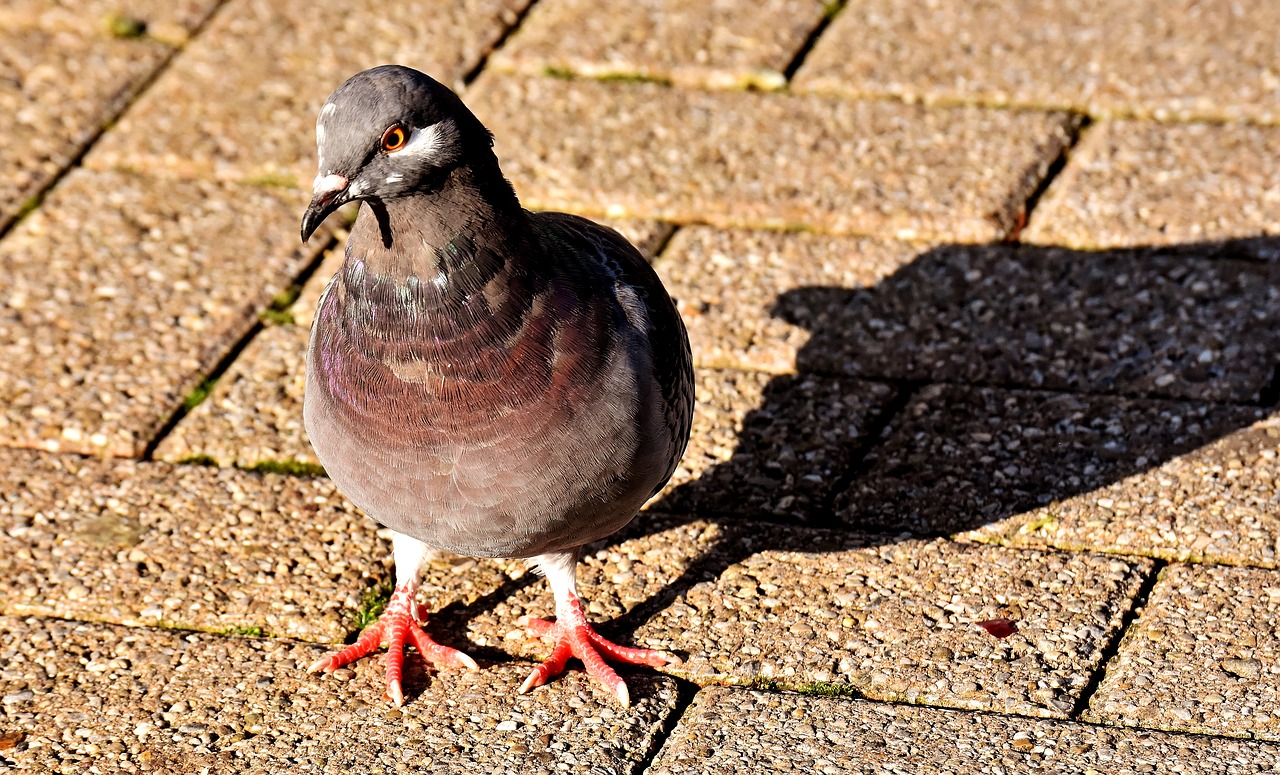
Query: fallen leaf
(10, 740)
(999, 628)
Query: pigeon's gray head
(388, 132)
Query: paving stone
(771, 446)
(1216, 504)
(1204, 656)
(171, 22)
(121, 292)
(58, 88)
(1139, 183)
(728, 285)
(730, 43)
(183, 546)
(734, 158)
(133, 700)
(1106, 57)
(241, 101)
(730, 731)
(890, 618)
(254, 412)
(1131, 322)
(959, 458)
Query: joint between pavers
(474, 72)
(830, 10)
(1076, 131)
(1128, 620)
(686, 692)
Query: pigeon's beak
(328, 193)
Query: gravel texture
(1203, 657)
(727, 43)
(731, 731)
(121, 292)
(183, 546)
(735, 158)
(1214, 504)
(883, 617)
(133, 700)
(1105, 57)
(165, 20)
(254, 412)
(1163, 323)
(1138, 183)
(960, 458)
(241, 102)
(776, 446)
(729, 285)
(59, 86)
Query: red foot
(575, 638)
(397, 628)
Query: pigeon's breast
(503, 437)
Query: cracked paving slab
(1207, 60)
(122, 292)
(1204, 656)
(731, 731)
(136, 700)
(240, 103)
(724, 44)
(781, 161)
(1134, 183)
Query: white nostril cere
(328, 184)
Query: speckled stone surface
(728, 285)
(254, 412)
(1217, 504)
(962, 458)
(58, 87)
(732, 731)
(121, 292)
(1204, 656)
(888, 618)
(171, 22)
(1139, 183)
(134, 700)
(776, 446)
(187, 546)
(726, 43)
(1106, 57)
(735, 158)
(241, 101)
(1176, 324)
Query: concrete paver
(1203, 656)
(961, 458)
(122, 292)
(171, 22)
(241, 102)
(58, 87)
(756, 159)
(728, 43)
(1139, 183)
(184, 546)
(1175, 325)
(254, 412)
(729, 285)
(1216, 503)
(137, 700)
(729, 731)
(1107, 57)
(886, 617)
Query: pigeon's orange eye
(393, 139)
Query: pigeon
(482, 379)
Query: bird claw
(580, 640)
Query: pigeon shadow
(975, 384)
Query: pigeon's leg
(575, 637)
(399, 626)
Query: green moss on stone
(287, 467)
(372, 603)
(199, 460)
(199, 394)
(123, 26)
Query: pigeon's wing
(572, 238)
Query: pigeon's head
(388, 132)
